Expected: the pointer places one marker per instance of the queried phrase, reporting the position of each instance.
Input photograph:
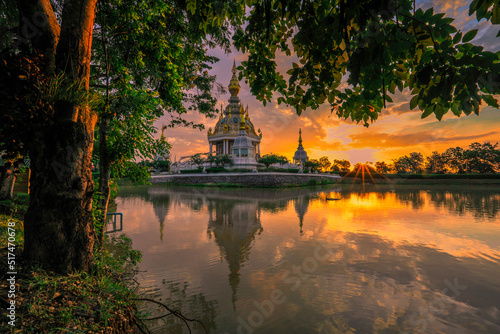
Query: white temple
(234, 133)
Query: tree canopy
(354, 55)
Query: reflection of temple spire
(301, 204)
(161, 205)
(234, 229)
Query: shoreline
(252, 180)
(424, 181)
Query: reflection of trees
(481, 204)
(414, 198)
(233, 225)
(176, 296)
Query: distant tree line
(477, 158)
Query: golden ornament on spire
(234, 84)
(242, 119)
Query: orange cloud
(385, 140)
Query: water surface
(386, 260)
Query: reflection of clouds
(376, 285)
(393, 250)
(442, 218)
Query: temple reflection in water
(234, 217)
(214, 253)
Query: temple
(234, 134)
(300, 155)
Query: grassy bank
(100, 301)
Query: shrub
(191, 171)
(216, 170)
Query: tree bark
(59, 233)
(7, 181)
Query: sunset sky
(398, 131)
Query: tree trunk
(104, 171)
(58, 225)
(59, 232)
(7, 181)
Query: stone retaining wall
(247, 179)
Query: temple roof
(232, 116)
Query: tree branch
(38, 24)
(176, 313)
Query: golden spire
(300, 137)
(242, 119)
(234, 84)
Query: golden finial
(234, 84)
(300, 136)
(210, 131)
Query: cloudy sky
(398, 130)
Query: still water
(382, 260)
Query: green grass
(16, 207)
(100, 301)
(4, 229)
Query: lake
(384, 259)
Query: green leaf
(457, 37)
(331, 98)
(469, 36)
(490, 100)
(426, 113)
(414, 102)
(495, 15)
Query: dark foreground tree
(59, 231)
(58, 223)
